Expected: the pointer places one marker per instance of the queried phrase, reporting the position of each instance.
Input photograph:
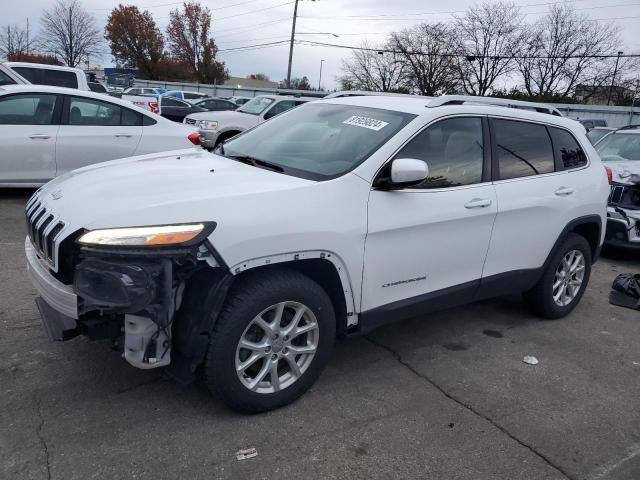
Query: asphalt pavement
(443, 397)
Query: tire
(541, 297)
(269, 293)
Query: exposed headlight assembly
(155, 236)
(208, 125)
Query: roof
(43, 66)
(424, 106)
(6, 89)
(286, 97)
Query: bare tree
(70, 32)
(14, 41)
(189, 42)
(426, 51)
(487, 37)
(375, 70)
(562, 51)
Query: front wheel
(564, 281)
(271, 341)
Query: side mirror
(407, 171)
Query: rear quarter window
(568, 152)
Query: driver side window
(453, 150)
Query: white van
(54, 75)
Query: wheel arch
(325, 268)
(589, 227)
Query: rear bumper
(208, 138)
(58, 296)
(623, 232)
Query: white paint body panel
(378, 237)
(25, 161)
(427, 237)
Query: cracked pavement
(443, 397)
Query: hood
(624, 171)
(171, 187)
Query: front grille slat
(43, 227)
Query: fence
(615, 116)
(213, 90)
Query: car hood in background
(624, 171)
(228, 118)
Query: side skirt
(495, 286)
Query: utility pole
(28, 45)
(293, 35)
(613, 80)
(320, 79)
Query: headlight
(208, 125)
(164, 235)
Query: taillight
(194, 138)
(609, 175)
(153, 106)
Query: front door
(432, 239)
(28, 131)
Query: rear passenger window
(86, 112)
(523, 149)
(453, 151)
(567, 149)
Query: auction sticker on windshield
(366, 122)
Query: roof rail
(630, 127)
(501, 102)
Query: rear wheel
(271, 341)
(564, 281)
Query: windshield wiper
(256, 162)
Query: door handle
(39, 136)
(564, 191)
(123, 135)
(478, 203)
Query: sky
(248, 23)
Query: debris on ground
(625, 291)
(246, 454)
(530, 360)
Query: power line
(408, 16)
(250, 27)
(147, 7)
(269, 44)
(252, 11)
(456, 55)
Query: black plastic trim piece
(418, 305)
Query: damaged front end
(623, 215)
(128, 285)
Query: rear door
(94, 131)
(28, 131)
(535, 197)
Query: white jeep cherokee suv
(329, 220)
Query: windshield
(619, 146)
(319, 141)
(595, 134)
(5, 79)
(256, 105)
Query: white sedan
(47, 131)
